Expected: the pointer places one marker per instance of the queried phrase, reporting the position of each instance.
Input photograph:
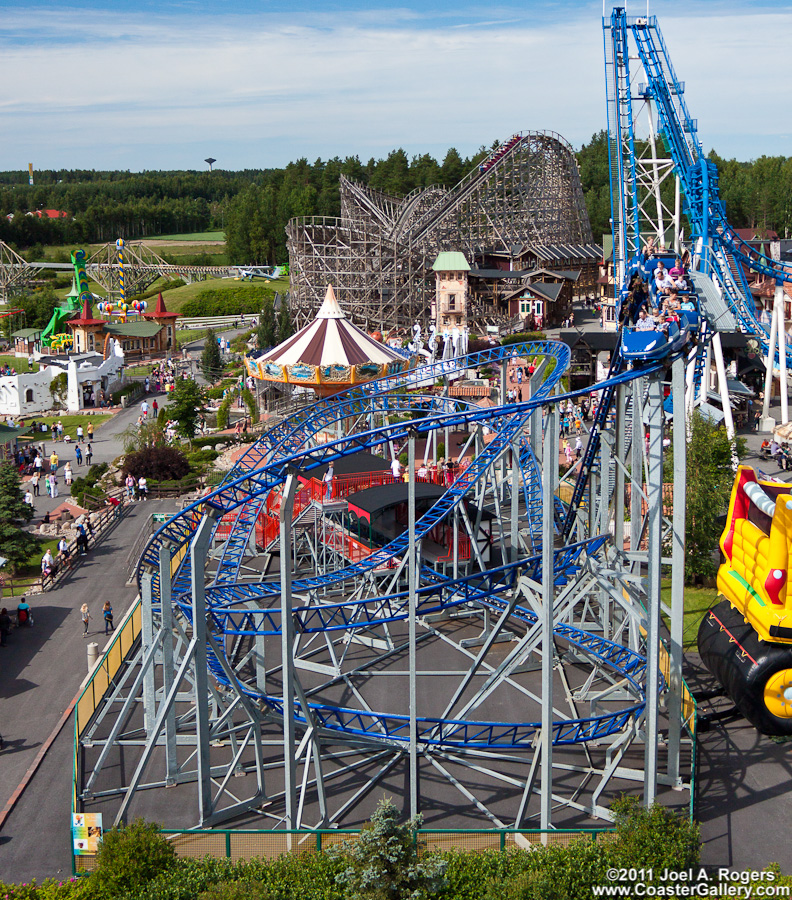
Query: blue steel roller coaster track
(232, 603)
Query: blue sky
(256, 83)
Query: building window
(538, 308)
(29, 395)
(452, 301)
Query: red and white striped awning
(331, 339)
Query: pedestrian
(144, 409)
(90, 431)
(129, 483)
(154, 408)
(396, 469)
(68, 474)
(5, 626)
(107, 614)
(148, 384)
(60, 429)
(88, 455)
(54, 462)
(48, 484)
(80, 434)
(142, 487)
(82, 540)
(64, 554)
(328, 480)
(86, 618)
(24, 615)
(34, 482)
(78, 455)
(53, 486)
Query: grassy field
(19, 363)
(189, 335)
(70, 423)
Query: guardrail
(238, 321)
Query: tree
(211, 361)
(384, 861)
(187, 406)
(16, 544)
(129, 857)
(266, 333)
(285, 327)
(709, 483)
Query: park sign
(86, 833)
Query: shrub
(224, 413)
(657, 837)
(252, 406)
(523, 337)
(383, 863)
(236, 890)
(162, 463)
(129, 857)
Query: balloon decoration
(139, 306)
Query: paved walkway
(42, 668)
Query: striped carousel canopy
(330, 340)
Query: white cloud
(158, 92)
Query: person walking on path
(68, 474)
(54, 462)
(80, 434)
(88, 455)
(142, 487)
(53, 486)
(89, 431)
(64, 554)
(5, 626)
(154, 408)
(85, 615)
(144, 409)
(129, 483)
(107, 613)
(34, 482)
(78, 455)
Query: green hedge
(523, 337)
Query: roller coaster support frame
(287, 646)
(200, 547)
(654, 574)
(723, 387)
(677, 574)
(777, 343)
(637, 469)
(166, 623)
(549, 466)
(536, 416)
(412, 578)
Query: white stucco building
(28, 394)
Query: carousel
(328, 355)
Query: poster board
(86, 831)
